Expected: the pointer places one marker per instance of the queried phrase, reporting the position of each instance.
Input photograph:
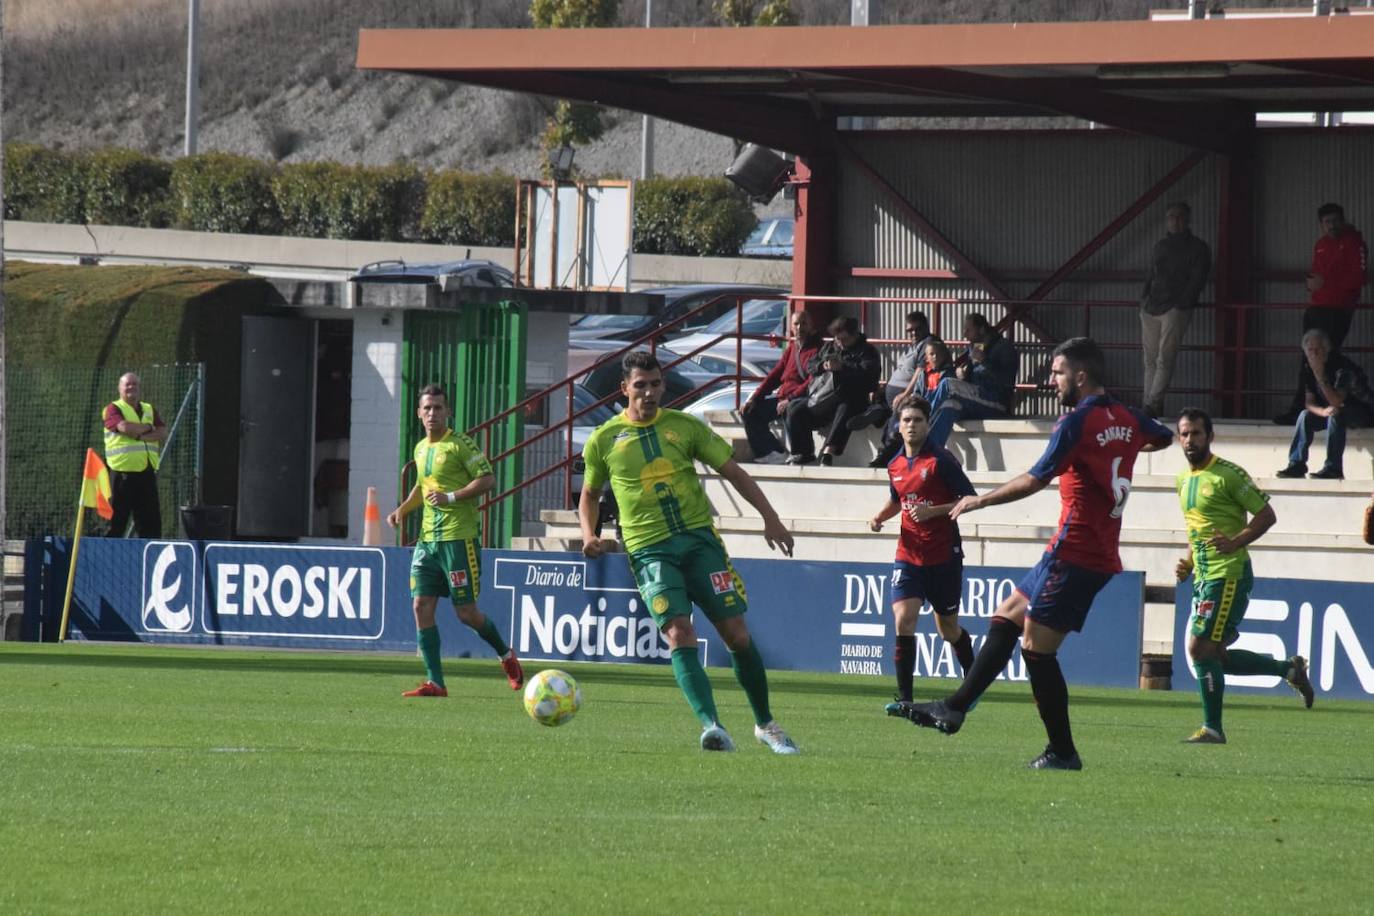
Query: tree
(744, 12)
(573, 123)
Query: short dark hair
(1195, 415)
(1083, 355)
(978, 320)
(638, 359)
(849, 323)
(918, 318)
(1179, 206)
(1327, 209)
(432, 390)
(915, 402)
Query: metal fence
(54, 414)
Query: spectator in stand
(854, 364)
(1337, 398)
(789, 379)
(1340, 266)
(985, 384)
(906, 379)
(937, 365)
(1178, 271)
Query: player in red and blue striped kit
(924, 483)
(1092, 451)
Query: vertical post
(3, 425)
(646, 138)
(811, 241)
(192, 74)
(1234, 269)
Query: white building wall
(376, 416)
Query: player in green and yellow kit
(1217, 498)
(646, 454)
(453, 475)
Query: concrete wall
(376, 416)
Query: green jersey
(447, 465)
(649, 466)
(1218, 499)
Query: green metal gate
(477, 355)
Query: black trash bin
(207, 523)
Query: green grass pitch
(149, 779)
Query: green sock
(1211, 683)
(492, 638)
(1240, 661)
(696, 687)
(428, 638)
(753, 677)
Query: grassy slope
(191, 781)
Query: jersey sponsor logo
(1115, 434)
(440, 458)
(722, 582)
(169, 587)
(660, 604)
(458, 578)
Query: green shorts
(452, 568)
(688, 568)
(1219, 607)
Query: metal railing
(564, 389)
(1232, 371)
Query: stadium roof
(1197, 82)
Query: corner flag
(95, 486)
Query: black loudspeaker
(759, 172)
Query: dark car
(677, 301)
(678, 381)
(448, 274)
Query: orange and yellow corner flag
(95, 486)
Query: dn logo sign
(169, 587)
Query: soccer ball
(552, 697)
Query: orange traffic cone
(372, 520)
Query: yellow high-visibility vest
(125, 453)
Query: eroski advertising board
(816, 616)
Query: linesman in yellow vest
(133, 441)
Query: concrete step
(1342, 558)
(1302, 506)
(1015, 445)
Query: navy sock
(991, 659)
(1051, 698)
(963, 650)
(904, 661)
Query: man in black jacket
(986, 384)
(1337, 398)
(854, 365)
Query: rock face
(277, 80)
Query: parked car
(759, 316)
(677, 301)
(721, 399)
(448, 274)
(678, 381)
(772, 239)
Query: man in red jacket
(1340, 265)
(789, 379)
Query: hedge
(218, 192)
(704, 216)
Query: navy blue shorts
(1060, 593)
(941, 585)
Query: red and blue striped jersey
(1092, 451)
(932, 478)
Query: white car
(759, 317)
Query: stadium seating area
(1317, 535)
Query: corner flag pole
(71, 569)
(95, 492)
